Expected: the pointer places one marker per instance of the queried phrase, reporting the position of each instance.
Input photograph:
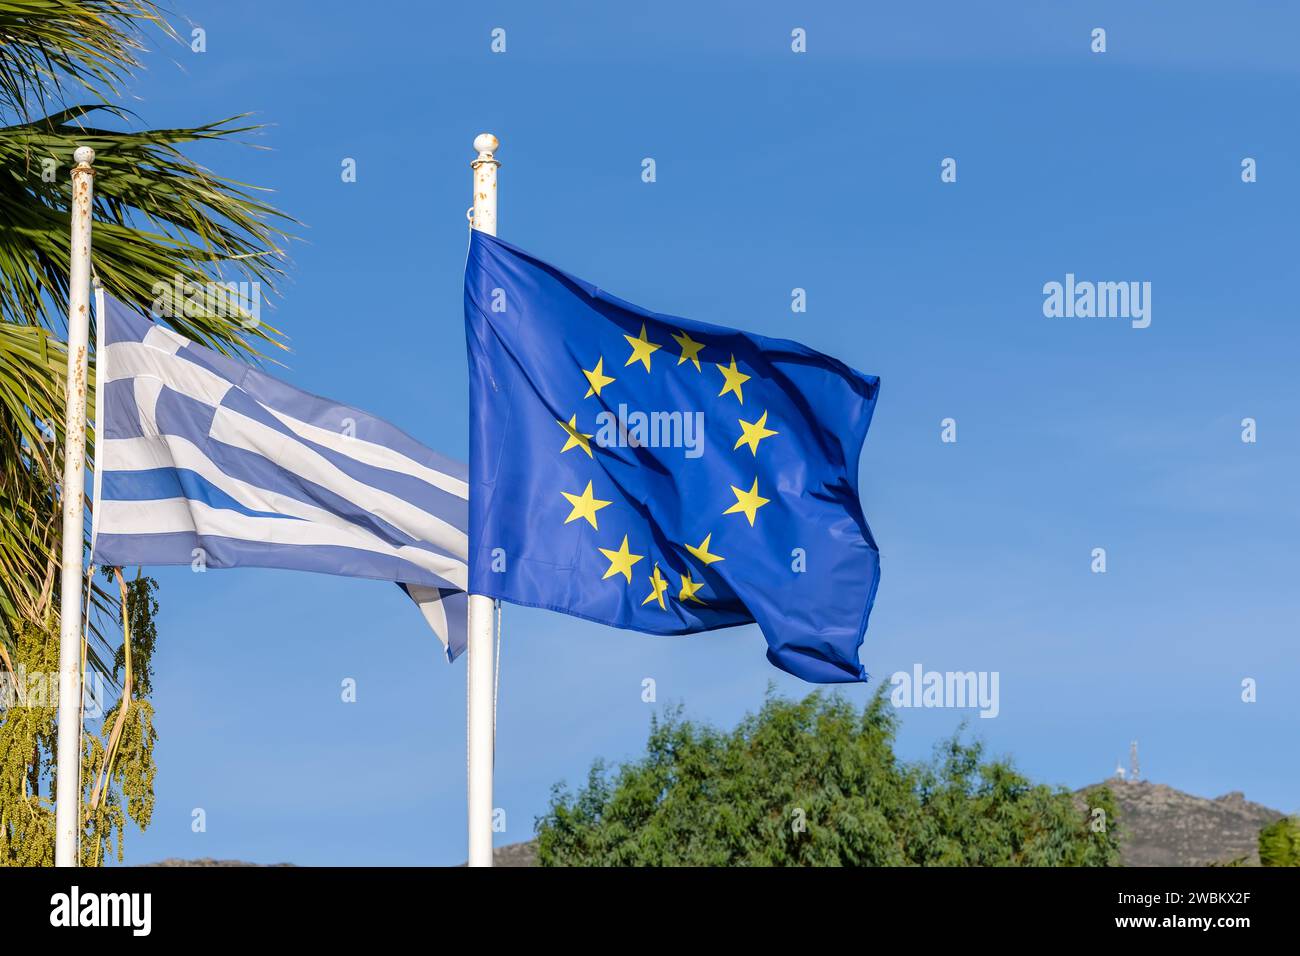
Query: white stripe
(135, 359)
(169, 515)
(238, 430)
(165, 340)
(369, 453)
(430, 603)
(172, 451)
(146, 390)
(135, 454)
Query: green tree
(117, 767)
(160, 218)
(1279, 843)
(816, 783)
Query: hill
(1166, 827)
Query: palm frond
(47, 46)
(158, 216)
(33, 364)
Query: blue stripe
(120, 416)
(176, 413)
(220, 552)
(124, 324)
(219, 365)
(161, 483)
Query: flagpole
(478, 670)
(67, 797)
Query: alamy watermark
(1103, 300)
(240, 302)
(953, 689)
(133, 911)
(639, 429)
(40, 689)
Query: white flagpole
(478, 670)
(67, 797)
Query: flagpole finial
(483, 214)
(487, 145)
(84, 155)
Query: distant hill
(515, 854)
(208, 861)
(1166, 827)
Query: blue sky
(1072, 433)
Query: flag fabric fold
(207, 461)
(661, 474)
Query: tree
(815, 783)
(161, 220)
(1279, 843)
(117, 767)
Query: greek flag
(207, 461)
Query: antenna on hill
(1134, 773)
(1119, 771)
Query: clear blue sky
(1072, 433)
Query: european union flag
(663, 475)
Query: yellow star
(620, 561)
(690, 349)
(597, 378)
(585, 505)
(641, 349)
(657, 588)
(702, 552)
(577, 439)
(747, 502)
(689, 588)
(735, 378)
(751, 433)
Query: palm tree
(158, 216)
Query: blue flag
(663, 475)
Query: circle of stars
(584, 505)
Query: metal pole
(479, 651)
(67, 797)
